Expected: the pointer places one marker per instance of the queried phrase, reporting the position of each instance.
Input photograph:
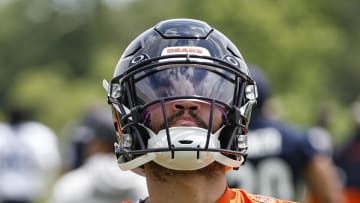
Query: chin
(164, 174)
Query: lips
(182, 122)
(185, 121)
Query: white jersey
(99, 180)
(28, 154)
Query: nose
(185, 105)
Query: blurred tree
(54, 54)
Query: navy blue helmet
(181, 59)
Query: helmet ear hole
(225, 137)
(229, 139)
(142, 137)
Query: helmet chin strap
(182, 138)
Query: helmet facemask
(143, 97)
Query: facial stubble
(165, 175)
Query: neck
(201, 186)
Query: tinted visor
(185, 80)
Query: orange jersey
(232, 195)
(352, 195)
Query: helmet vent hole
(185, 141)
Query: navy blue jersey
(349, 161)
(278, 154)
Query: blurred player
(281, 156)
(349, 159)
(98, 179)
(29, 158)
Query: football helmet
(181, 60)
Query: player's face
(185, 112)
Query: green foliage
(54, 55)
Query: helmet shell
(178, 33)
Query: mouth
(182, 118)
(185, 122)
